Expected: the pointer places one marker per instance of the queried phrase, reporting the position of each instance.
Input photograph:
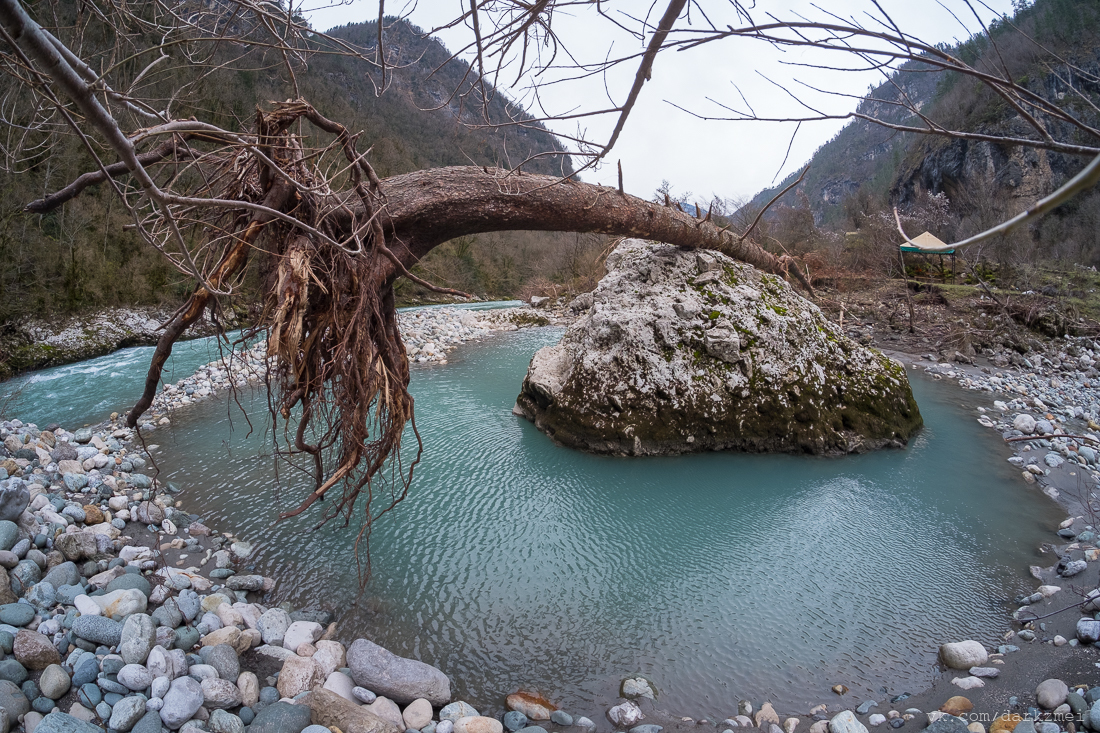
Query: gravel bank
(430, 334)
(37, 344)
(122, 612)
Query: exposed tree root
(332, 247)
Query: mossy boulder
(685, 351)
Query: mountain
(84, 256)
(867, 166)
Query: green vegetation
(83, 257)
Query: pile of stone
(1063, 379)
(99, 631)
(1055, 445)
(235, 370)
(430, 334)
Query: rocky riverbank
(121, 611)
(430, 334)
(99, 531)
(38, 343)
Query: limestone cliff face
(681, 351)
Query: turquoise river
(518, 564)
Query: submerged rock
(687, 351)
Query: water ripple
(516, 563)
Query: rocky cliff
(680, 351)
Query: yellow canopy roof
(925, 242)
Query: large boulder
(402, 680)
(686, 351)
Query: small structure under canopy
(927, 245)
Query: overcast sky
(730, 159)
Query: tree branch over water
(295, 192)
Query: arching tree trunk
(426, 208)
(341, 373)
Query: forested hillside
(83, 257)
(1051, 47)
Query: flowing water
(86, 392)
(515, 563)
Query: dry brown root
(331, 240)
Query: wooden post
(905, 284)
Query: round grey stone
(127, 712)
(12, 671)
(14, 498)
(16, 614)
(85, 670)
(223, 658)
(130, 580)
(363, 695)
(272, 626)
(181, 702)
(98, 629)
(226, 722)
(149, 723)
(9, 534)
(135, 677)
(54, 682)
(137, 638)
(281, 717)
(1051, 693)
(561, 717)
(13, 700)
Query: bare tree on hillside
(296, 190)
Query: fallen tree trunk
(331, 256)
(426, 208)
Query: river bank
(37, 343)
(1023, 664)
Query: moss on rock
(690, 351)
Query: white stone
(86, 606)
(968, 683)
(416, 714)
(229, 616)
(1024, 423)
(332, 656)
(625, 715)
(387, 709)
(301, 632)
(298, 674)
(478, 724)
(135, 676)
(846, 722)
(134, 552)
(343, 685)
(963, 654)
(121, 603)
(249, 685)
